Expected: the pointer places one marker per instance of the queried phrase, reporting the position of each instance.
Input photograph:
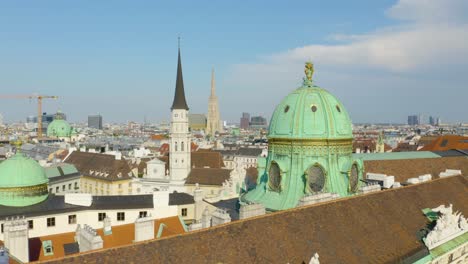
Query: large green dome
(309, 150)
(310, 112)
(23, 181)
(59, 128)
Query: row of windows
(64, 188)
(106, 185)
(313, 108)
(315, 177)
(101, 217)
(100, 189)
(182, 146)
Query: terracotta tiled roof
(164, 149)
(447, 142)
(101, 166)
(424, 140)
(208, 176)
(121, 235)
(405, 147)
(210, 159)
(403, 169)
(158, 137)
(380, 227)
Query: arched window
(175, 146)
(315, 178)
(274, 177)
(354, 178)
(182, 146)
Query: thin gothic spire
(213, 83)
(179, 96)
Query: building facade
(258, 122)
(413, 120)
(95, 121)
(245, 121)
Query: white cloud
(397, 50)
(433, 39)
(432, 44)
(429, 11)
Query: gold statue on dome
(17, 143)
(309, 70)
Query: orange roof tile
(447, 142)
(121, 235)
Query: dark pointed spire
(179, 96)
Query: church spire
(213, 83)
(179, 96)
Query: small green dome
(23, 181)
(59, 128)
(310, 112)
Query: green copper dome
(310, 112)
(309, 150)
(59, 128)
(23, 181)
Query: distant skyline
(384, 60)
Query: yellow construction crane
(39, 107)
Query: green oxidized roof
(310, 112)
(396, 155)
(21, 171)
(310, 145)
(59, 128)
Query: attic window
(444, 143)
(338, 108)
(314, 108)
(286, 109)
(48, 248)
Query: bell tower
(180, 138)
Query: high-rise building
(413, 120)
(258, 122)
(95, 121)
(1, 119)
(422, 119)
(213, 122)
(434, 121)
(180, 137)
(245, 121)
(46, 118)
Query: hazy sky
(382, 59)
